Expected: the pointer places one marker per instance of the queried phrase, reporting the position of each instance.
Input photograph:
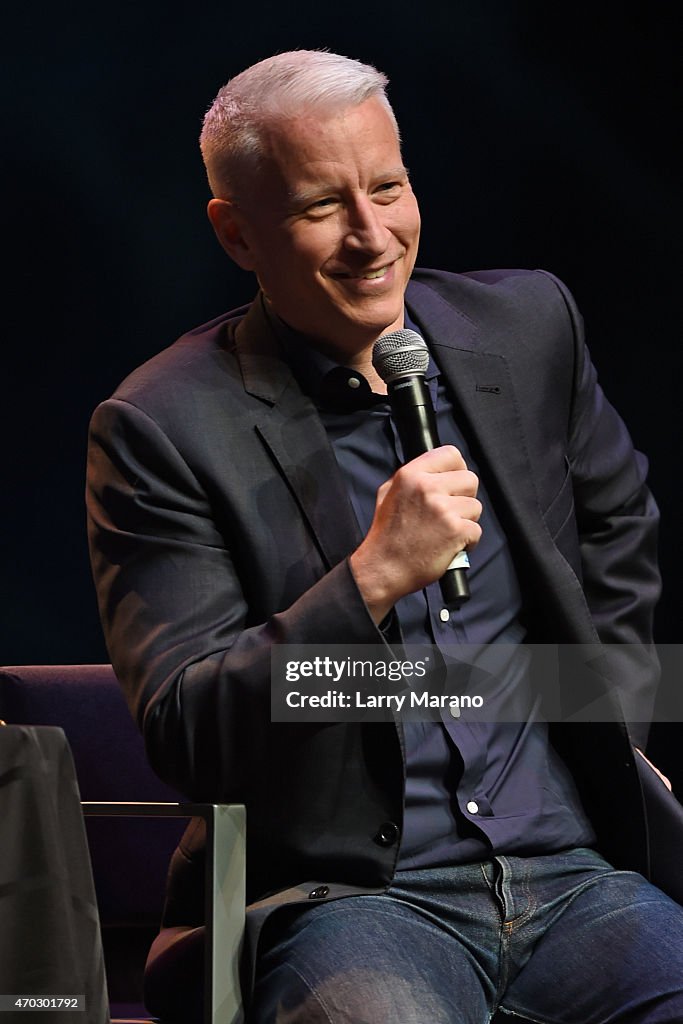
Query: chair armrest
(225, 893)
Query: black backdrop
(537, 135)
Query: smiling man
(329, 225)
(246, 491)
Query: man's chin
(374, 319)
(350, 328)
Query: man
(417, 872)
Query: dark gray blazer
(220, 525)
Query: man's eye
(323, 204)
(388, 189)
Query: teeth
(374, 274)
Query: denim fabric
(557, 939)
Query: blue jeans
(557, 939)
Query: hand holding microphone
(428, 509)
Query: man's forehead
(308, 128)
(304, 148)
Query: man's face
(330, 225)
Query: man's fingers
(457, 507)
(439, 460)
(423, 482)
(425, 514)
(453, 482)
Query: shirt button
(353, 382)
(444, 615)
(472, 806)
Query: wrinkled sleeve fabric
(183, 642)
(617, 522)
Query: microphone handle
(413, 412)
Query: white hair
(280, 87)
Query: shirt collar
(330, 384)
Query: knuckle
(404, 474)
(469, 482)
(422, 485)
(456, 456)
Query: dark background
(538, 135)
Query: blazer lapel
(481, 385)
(483, 389)
(290, 427)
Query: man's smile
(367, 275)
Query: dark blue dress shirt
(473, 789)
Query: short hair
(277, 88)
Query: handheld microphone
(401, 359)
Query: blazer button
(388, 834)
(319, 892)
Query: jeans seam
(312, 991)
(502, 968)
(587, 885)
(528, 912)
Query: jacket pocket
(560, 512)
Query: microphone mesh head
(399, 353)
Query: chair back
(130, 857)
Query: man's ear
(229, 224)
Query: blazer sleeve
(617, 521)
(182, 640)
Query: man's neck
(360, 360)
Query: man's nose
(366, 231)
